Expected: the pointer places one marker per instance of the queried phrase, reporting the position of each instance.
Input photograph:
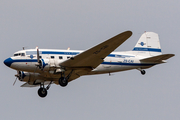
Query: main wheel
(42, 92)
(63, 82)
(143, 72)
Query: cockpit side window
(16, 54)
(19, 54)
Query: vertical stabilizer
(148, 44)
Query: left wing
(54, 79)
(94, 56)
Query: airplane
(40, 67)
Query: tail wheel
(42, 92)
(143, 72)
(63, 81)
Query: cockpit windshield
(19, 54)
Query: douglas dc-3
(40, 67)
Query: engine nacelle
(49, 64)
(26, 76)
(43, 64)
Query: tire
(143, 72)
(42, 92)
(63, 82)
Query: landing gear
(42, 92)
(63, 81)
(143, 72)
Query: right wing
(28, 85)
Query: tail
(148, 44)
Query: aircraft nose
(8, 62)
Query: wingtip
(127, 33)
(130, 32)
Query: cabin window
(52, 57)
(60, 57)
(40, 57)
(68, 57)
(22, 54)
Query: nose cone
(8, 62)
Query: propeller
(15, 81)
(38, 59)
(18, 75)
(39, 63)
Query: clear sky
(81, 24)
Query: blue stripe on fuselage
(62, 53)
(146, 49)
(104, 63)
(133, 64)
(24, 60)
(72, 53)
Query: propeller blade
(18, 75)
(38, 59)
(15, 81)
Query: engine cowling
(49, 64)
(26, 76)
(42, 63)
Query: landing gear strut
(63, 80)
(42, 92)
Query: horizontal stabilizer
(158, 58)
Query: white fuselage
(25, 60)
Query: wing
(31, 85)
(28, 85)
(54, 78)
(94, 56)
(158, 58)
